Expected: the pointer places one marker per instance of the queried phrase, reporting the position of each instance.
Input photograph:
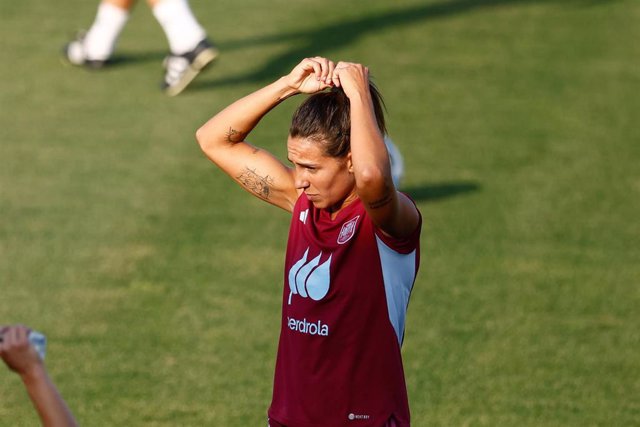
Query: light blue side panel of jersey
(398, 273)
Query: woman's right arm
(222, 138)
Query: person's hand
(311, 75)
(353, 78)
(16, 350)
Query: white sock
(101, 38)
(180, 26)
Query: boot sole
(204, 58)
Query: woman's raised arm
(222, 138)
(393, 212)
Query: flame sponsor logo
(308, 279)
(348, 230)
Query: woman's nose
(301, 181)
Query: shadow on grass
(132, 58)
(317, 41)
(439, 191)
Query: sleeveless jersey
(346, 292)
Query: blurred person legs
(21, 357)
(190, 50)
(396, 160)
(95, 47)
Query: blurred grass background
(158, 283)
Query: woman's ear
(349, 162)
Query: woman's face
(327, 181)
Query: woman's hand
(16, 351)
(353, 78)
(311, 75)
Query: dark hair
(325, 117)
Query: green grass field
(158, 282)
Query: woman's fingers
(15, 335)
(309, 66)
(327, 73)
(326, 68)
(351, 77)
(320, 67)
(329, 77)
(312, 74)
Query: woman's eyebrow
(303, 164)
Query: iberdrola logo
(308, 279)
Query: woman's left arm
(20, 356)
(393, 212)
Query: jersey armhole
(402, 245)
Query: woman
(353, 248)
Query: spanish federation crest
(348, 230)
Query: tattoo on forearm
(381, 202)
(234, 135)
(255, 183)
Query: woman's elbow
(203, 140)
(371, 176)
